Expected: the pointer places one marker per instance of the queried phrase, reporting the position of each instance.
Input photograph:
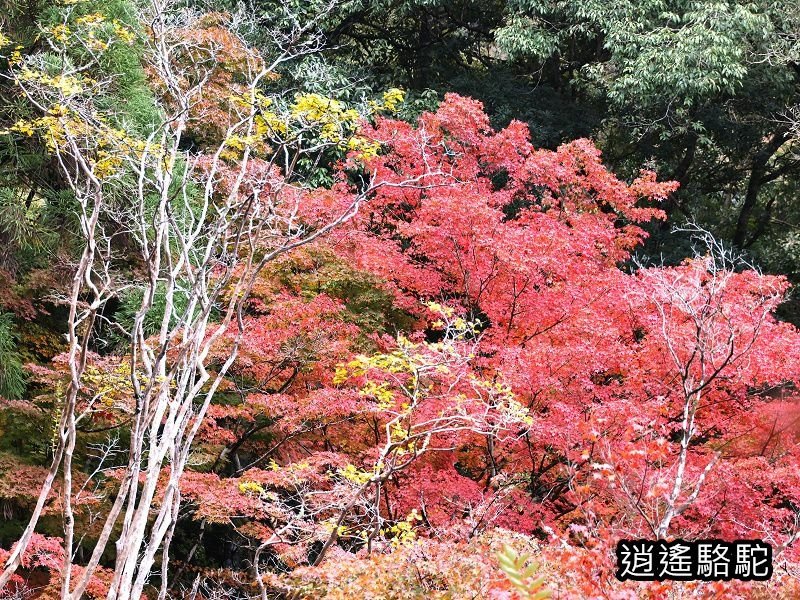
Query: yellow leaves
(457, 327)
(90, 19)
(402, 532)
(269, 122)
(60, 33)
(96, 45)
(4, 40)
(16, 56)
(355, 475)
(517, 412)
(330, 526)
(50, 128)
(123, 34)
(68, 85)
(106, 164)
(500, 395)
(93, 25)
(392, 98)
(365, 148)
(340, 375)
(109, 387)
(354, 368)
(238, 100)
(235, 146)
(251, 487)
(24, 127)
(394, 362)
(251, 98)
(398, 432)
(435, 307)
(111, 146)
(329, 120)
(293, 467)
(267, 125)
(318, 108)
(497, 388)
(399, 436)
(463, 328)
(94, 31)
(336, 123)
(380, 392)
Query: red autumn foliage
(568, 395)
(605, 360)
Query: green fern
(521, 572)
(12, 375)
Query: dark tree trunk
(758, 171)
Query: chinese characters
(708, 560)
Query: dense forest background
(335, 107)
(705, 93)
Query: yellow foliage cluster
(334, 122)
(397, 361)
(380, 392)
(315, 108)
(267, 125)
(355, 475)
(61, 123)
(112, 145)
(330, 525)
(458, 327)
(109, 387)
(68, 85)
(500, 395)
(402, 533)
(251, 487)
(93, 30)
(392, 98)
(399, 435)
(330, 119)
(60, 33)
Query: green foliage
(132, 100)
(553, 116)
(366, 302)
(24, 432)
(652, 51)
(521, 572)
(12, 375)
(131, 302)
(23, 227)
(37, 214)
(697, 89)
